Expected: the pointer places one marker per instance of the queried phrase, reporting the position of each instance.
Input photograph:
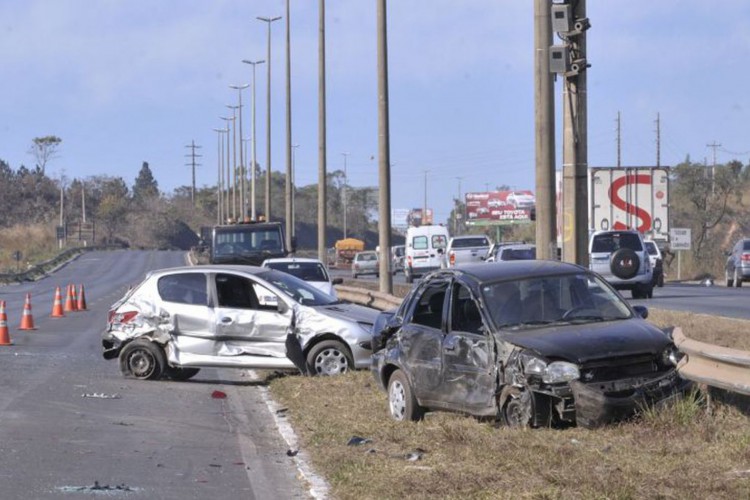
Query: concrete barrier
(370, 298)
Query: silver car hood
(349, 311)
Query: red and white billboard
(499, 207)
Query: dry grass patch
(36, 242)
(682, 451)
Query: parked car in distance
(535, 343)
(179, 320)
(521, 251)
(366, 262)
(398, 254)
(657, 262)
(310, 270)
(467, 249)
(620, 257)
(737, 268)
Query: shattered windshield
(548, 300)
(297, 289)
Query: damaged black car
(533, 343)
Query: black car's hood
(588, 342)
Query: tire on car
(180, 373)
(329, 357)
(402, 404)
(142, 359)
(624, 263)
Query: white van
(425, 250)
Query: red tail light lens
(126, 317)
(745, 257)
(453, 259)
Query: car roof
(211, 268)
(283, 260)
(516, 269)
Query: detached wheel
(624, 263)
(142, 359)
(176, 373)
(402, 404)
(329, 357)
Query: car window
(469, 242)
(308, 271)
(465, 316)
(518, 254)
(439, 241)
(429, 306)
(235, 292)
(419, 243)
(611, 242)
(746, 245)
(186, 288)
(651, 247)
(299, 290)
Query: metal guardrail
(370, 298)
(44, 268)
(712, 365)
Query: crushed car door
(248, 320)
(421, 337)
(184, 310)
(468, 375)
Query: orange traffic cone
(75, 297)
(4, 334)
(81, 305)
(27, 320)
(57, 307)
(70, 304)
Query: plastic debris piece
(100, 395)
(219, 395)
(414, 456)
(291, 453)
(357, 440)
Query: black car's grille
(620, 368)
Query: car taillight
(745, 257)
(126, 317)
(453, 258)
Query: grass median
(681, 451)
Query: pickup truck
(467, 249)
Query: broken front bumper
(596, 405)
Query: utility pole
(322, 176)
(544, 124)
(268, 20)
(289, 194)
(294, 192)
(384, 153)
(220, 177)
(424, 206)
(575, 140)
(234, 160)
(346, 186)
(658, 140)
(192, 163)
(618, 140)
(457, 214)
(714, 145)
(253, 213)
(243, 175)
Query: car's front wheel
(142, 359)
(401, 401)
(329, 357)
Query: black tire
(649, 291)
(142, 359)
(636, 293)
(660, 281)
(624, 263)
(737, 279)
(409, 277)
(402, 405)
(730, 281)
(329, 357)
(177, 373)
(517, 412)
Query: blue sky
(127, 81)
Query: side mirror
(641, 311)
(337, 281)
(282, 307)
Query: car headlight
(551, 373)
(560, 371)
(670, 356)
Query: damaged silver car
(533, 343)
(180, 320)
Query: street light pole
(227, 161)
(268, 20)
(243, 175)
(220, 177)
(289, 187)
(294, 191)
(322, 178)
(346, 184)
(234, 160)
(253, 213)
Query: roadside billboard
(400, 218)
(417, 218)
(492, 208)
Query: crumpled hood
(348, 311)
(584, 343)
